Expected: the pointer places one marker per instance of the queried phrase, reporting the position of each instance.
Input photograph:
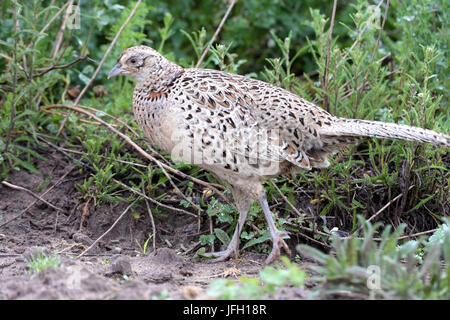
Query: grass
(42, 262)
(143, 248)
(390, 67)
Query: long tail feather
(365, 128)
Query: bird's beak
(115, 71)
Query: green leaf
(422, 202)
(222, 236)
(207, 239)
(27, 165)
(265, 236)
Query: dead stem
(374, 52)
(107, 231)
(300, 215)
(12, 186)
(153, 200)
(62, 30)
(35, 201)
(327, 62)
(149, 210)
(230, 7)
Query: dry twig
(230, 7)
(149, 210)
(35, 201)
(13, 102)
(63, 66)
(85, 211)
(153, 200)
(374, 52)
(357, 40)
(107, 231)
(327, 62)
(13, 186)
(287, 201)
(382, 209)
(62, 30)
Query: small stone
(121, 265)
(82, 238)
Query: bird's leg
(233, 247)
(277, 235)
(243, 204)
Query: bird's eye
(133, 60)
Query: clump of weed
(381, 268)
(42, 261)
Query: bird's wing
(218, 111)
(269, 117)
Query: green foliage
(164, 295)
(143, 248)
(42, 261)
(249, 288)
(223, 212)
(348, 269)
(426, 246)
(100, 186)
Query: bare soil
(116, 267)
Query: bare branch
(149, 210)
(230, 7)
(12, 186)
(107, 231)
(327, 63)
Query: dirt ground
(115, 268)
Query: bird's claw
(222, 255)
(278, 243)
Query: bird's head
(142, 63)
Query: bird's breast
(156, 118)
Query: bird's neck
(160, 77)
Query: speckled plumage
(242, 130)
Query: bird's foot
(278, 243)
(222, 255)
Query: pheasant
(242, 130)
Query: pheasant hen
(242, 130)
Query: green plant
(144, 247)
(425, 246)
(269, 279)
(164, 295)
(100, 187)
(42, 261)
(348, 270)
